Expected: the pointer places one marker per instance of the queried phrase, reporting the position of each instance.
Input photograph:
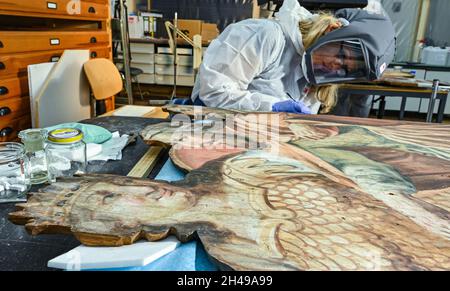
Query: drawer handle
(3, 90)
(2, 66)
(6, 131)
(93, 55)
(52, 5)
(54, 59)
(55, 41)
(1, 45)
(93, 40)
(5, 111)
(91, 10)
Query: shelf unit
(39, 31)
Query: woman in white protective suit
(288, 65)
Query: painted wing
(334, 226)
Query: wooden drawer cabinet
(16, 64)
(11, 129)
(101, 52)
(90, 9)
(13, 87)
(26, 41)
(39, 31)
(12, 109)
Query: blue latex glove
(291, 106)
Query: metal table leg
(441, 109)
(402, 108)
(382, 107)
(433, 100)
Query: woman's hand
(291, 106)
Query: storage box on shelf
(167, 59)
(155, 57)
(190, 27)
(164, 67)
(143, 57)
(169, 80)
(143, 48)
(180, 51)
(39, 31)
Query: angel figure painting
(339, 194)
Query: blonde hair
(312, 30)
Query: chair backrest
(104, 78)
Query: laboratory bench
(416, 105)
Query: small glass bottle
(34, 141)
(14, 172)
(66, 153)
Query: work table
(21, 251)
(420, 66)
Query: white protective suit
(256, 63)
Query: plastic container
(435, 56)
(34, 141)
(66, 153)
(14, 172)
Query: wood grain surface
(329, 194)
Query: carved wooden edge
(191, 110)
(179, 163)
(90, 239)
(104, 240)
(36, 224)
(337, 120)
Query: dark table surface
(20, 251)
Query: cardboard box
(190, 27)
(209, 32)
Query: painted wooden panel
(337, 194)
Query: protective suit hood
(289, 16)
(372, 34)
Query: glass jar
(14, 172)
(66, 153)
(34, 141)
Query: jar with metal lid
(66, 153)
(14, 172)
(34, 141)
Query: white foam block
(64, 96)
(37, 74)
(139, 254)
(133, 111)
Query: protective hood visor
(339, 61)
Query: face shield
(339, 61)
(359, 51)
